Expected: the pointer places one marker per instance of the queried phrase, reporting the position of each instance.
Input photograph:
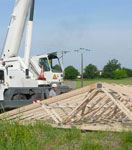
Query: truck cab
(52, 66)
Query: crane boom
(29, 36)
(16, 28)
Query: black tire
(19, 97)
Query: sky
(103, 26)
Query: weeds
(44, 137)
(126, 140)
(73, 134)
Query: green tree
(111, 66)
(119, 74)
(71, 73)
(128, 71)
(91, 72)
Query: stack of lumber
(99, 106)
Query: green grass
(44, 137)
(127, 81)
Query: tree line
(112, 70)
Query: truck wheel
(19, 97)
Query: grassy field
(127, 81)
(44, 137)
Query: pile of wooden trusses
(96, 107)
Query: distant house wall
(100, 72)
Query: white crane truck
(19, 77)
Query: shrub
(71, 73)
(119, 74)
(128, 71)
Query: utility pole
(81, 51)
(81, 69)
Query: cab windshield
(54, 63)
(44, 62)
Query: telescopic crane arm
(16, 28)
(29, 36)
